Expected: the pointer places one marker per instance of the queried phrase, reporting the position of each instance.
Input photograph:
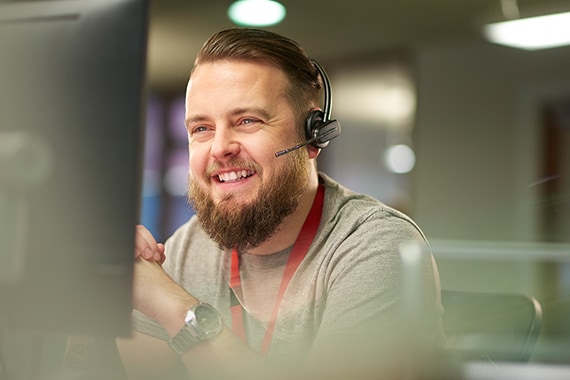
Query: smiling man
(283, 272)
(240, 191)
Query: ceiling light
(531, 33)
(256, 12)
(400, 158)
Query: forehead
(230, 73)
(219, 88)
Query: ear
(313, 152)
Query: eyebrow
(195, 119)
(235, 112)
(244, 110)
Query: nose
(224, 144)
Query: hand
(147, 247)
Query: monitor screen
(71, 139)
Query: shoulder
(361, 238)
(351, 215)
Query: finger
(160, 255)
(148, 247)
(145, 244)
(141, 242)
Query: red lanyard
(300, 248)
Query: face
(238, 116)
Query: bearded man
(283, 271)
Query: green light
(256, 12)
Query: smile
(235, 176)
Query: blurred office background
(471, 138)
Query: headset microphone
(319, 128)
(325, 134)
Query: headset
(319, 128)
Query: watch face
(207, 318)
(202, 322)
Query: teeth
(234, 176)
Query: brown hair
(248, 44)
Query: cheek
(265, 149)
(196, 164)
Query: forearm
(162, 299)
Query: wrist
(173, 314)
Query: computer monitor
(71, 139)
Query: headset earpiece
(318, 125)
(312, 124)
(319, 128)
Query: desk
(515, 371)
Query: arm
(160, 298)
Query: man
(301, 271)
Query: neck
(289, 229)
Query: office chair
(491, 327)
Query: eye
(248, 121)
(200, 132)
(199, 129)
(249, 124)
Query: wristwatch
(202, 322)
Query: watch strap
(184, 341)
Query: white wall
(476, 137)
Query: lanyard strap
(300, 249)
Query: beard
(246, 226)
